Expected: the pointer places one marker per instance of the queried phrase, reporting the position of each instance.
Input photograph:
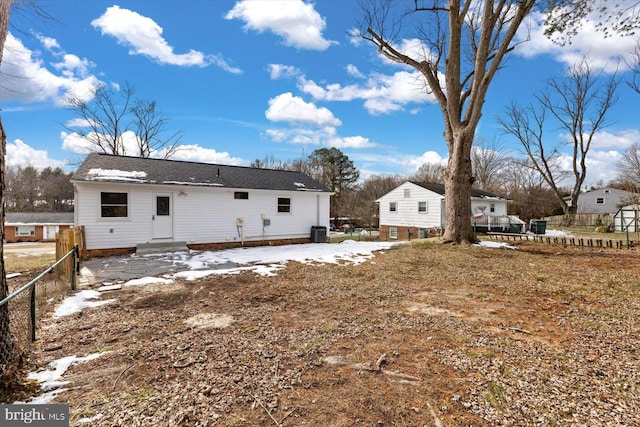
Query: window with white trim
(25, 230)
(393, 207)
(393, 233)
(422, 207)
(284, 204)
(114, 205)
(492, 207)
(407, 193)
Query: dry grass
(424, 334)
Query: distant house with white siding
(417, 209)
(124, 202)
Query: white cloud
(352, 70)
(24, 76)
(196, 153)
(144, 37)
(603, 52)
(192, 152)
(281, 71)
(21, 154)
(426, 157)
(296, 22)
(619, 140)
(288, 108)
(326, 137)
(381, 93)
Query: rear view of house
(125, 202)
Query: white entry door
(162, 219)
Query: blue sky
(247, 79)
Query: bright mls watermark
(54, 415)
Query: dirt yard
(423, 335)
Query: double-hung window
(393, 207)
(114, 205)
(284, 204)
(422, 207)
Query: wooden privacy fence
(580, 220)
(65, 241)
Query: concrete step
(160, 247)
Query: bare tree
(464, 43)
(635, 69)
(270, 162)
(370, 190)
(530, 196)
(487, 162)
(105, 117)
(111, 113)
(579, 104)
(566, 17)
(629, 167)
(150, 129)
(429, 172)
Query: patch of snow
(148, 281)
(90, 419)
(78, 302)
(49, 379)
(557, 233)
(499, 245)
(193, 183)
(299, 184)
(98, 174)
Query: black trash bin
(318, 234)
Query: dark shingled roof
(38, 218)
(111, 168)
(439, 188)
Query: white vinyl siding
(201, 215)
(407, 210)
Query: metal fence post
(73, 268)
(33, 313)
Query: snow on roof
(98, 174)
(199, 184)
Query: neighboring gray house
(603, 201)
(124, 202)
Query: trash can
(318, 234)
(538, 227)
(515, 228)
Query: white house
(416, 209)
(127, 202)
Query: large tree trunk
(7, 349)
(457, 189)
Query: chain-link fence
(22, 307)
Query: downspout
(317, 209)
